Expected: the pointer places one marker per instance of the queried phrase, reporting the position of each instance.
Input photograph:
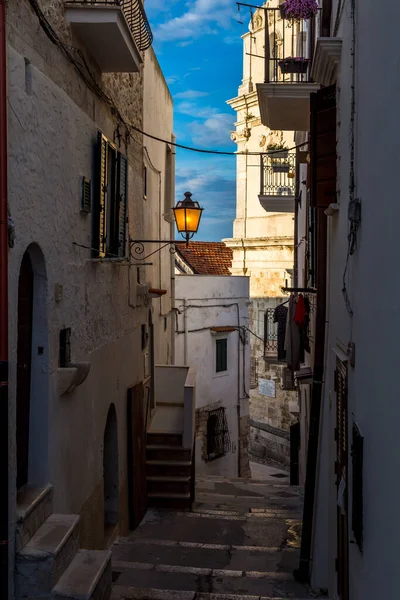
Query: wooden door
(136, 455)
(342, 480)
(24, 352)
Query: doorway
(24, 362)
(136, 455)
(110, 473)
(32, 373)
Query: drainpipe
(3, 311)
(185, 337)
(238, 386)
(173, 153)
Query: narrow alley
(241, 541)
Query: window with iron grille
(218, 440)
(221, 355)
(270, 335)
(357, 500)
(110, 201)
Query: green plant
(276, 146)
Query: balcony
(284, 97)
(278, 183)
(115, 32)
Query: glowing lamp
(187, 216)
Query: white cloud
(171, 79)
(189, 94)
(200, 19)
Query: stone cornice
(258, 243)
(244, 101)
(326, 60)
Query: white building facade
(211, 333)
(346, 239)
(82, 327)
(262, 242)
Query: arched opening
(32, 370)
(110, 472)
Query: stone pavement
(240, 542)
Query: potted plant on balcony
(280, 166)
(277, 150)
(298, 10)
(294, 64)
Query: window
(270, 335)
(64, 359)
(109, 220)
(221, 355)
(145, 190)
(218, 440)
(168, 181)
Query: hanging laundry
(280, 317)
(306, 339)
(300, 314)
(292, 338)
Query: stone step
(34, 506)
(88, 577)
(161, 484)
(168, 468)
(217, 581)
(164, 438)
(134, 593)
(165, 452)
(207, 556)
(169, 500)
(46, 556)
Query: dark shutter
(323, 147)
(86, 200)
(218, 440)
(100, 201)
(357, 450)
(222, 358)
(122, 198)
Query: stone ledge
(270, 429)
(71, 377)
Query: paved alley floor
(240, 542)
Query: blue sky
(199, 48)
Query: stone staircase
(168, 471)
(49, 563)
(240, 541)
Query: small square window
(221, 355)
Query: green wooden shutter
(100, 201)
(122, 199)
(222, 358)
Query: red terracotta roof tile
(223, 329)
(206, 258)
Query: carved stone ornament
(262, 140)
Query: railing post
(267, 52)
(261, 174)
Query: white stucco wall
(215, 301)
(53, 125)
(373, 286)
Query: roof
(223, 329)
(206, 258)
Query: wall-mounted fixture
(187, 215)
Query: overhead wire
(90, 81)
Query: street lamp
(187, 217)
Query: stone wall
(267, 442)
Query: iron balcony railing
(135, 16)
(289, 47)
(278, 174)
